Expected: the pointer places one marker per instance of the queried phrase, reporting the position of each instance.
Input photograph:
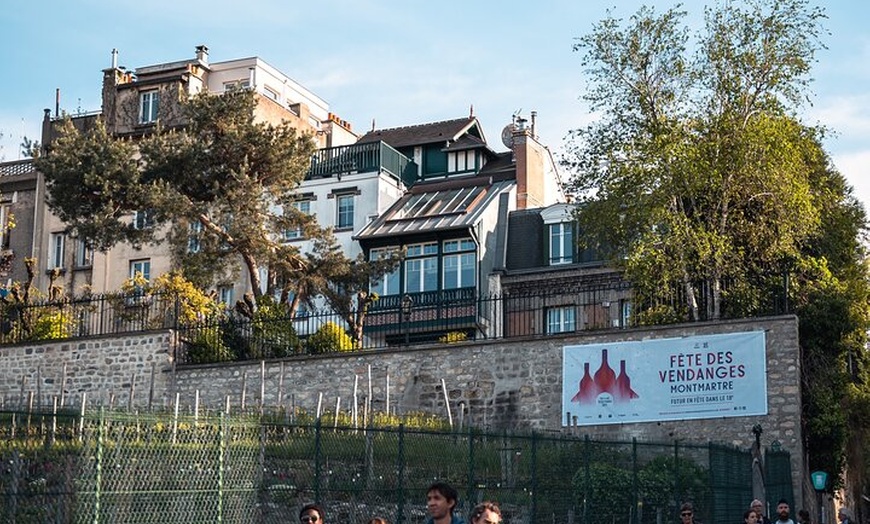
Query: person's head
(782, 509)
(804, 516)
(377, 520)
(750, 516)
(845, 514)
(311, 514)
(757, 506)
(440, 500)
(687, 512)
(486, 513)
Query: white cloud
(847, 115)
(855, 166)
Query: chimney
(530, 158)
(534, 117)
(112, 77)
(202, 54)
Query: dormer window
(461, 162)
(149, 102)
(561, 243)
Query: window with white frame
(421, 268)
(142, 266)
(561, 319)
(270, 93)
(561, 243)
(149, 102)
(389, 283)
(459, 161)
(237, 85)
(344, 205)
(194, 237)
(303, 206)
(84, 254)
(56, 247)
(460, 263)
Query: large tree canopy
(695, 171)
(699, 172)
(225, 181)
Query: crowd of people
(441, 501)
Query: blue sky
(396, 62)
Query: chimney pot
(202, 54)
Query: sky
(392, 62)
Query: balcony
(362, 158)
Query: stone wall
(499, 384)
(106, 369)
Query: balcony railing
(362, 158)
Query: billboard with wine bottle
(704, 376)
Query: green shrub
(273, 331)
(44, 325)
(329, 338)
(208, 346)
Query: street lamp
(407, 306)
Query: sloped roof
(446, 130)
(437, 206)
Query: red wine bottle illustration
(587, 392)
(605, 378)
(623, 393)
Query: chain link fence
(163, 468)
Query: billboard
(704, 376)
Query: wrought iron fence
(445, 316)
(164, 467)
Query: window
(141, 266)
(460, 161)
(270, 93)
(561, 243)
(56, 253)
(194, 237)
(421, 268)
(560, 319)
(303, 206)
(344, 204)
(143, 219)
(148, 106)
(226, 295)
(5, 223)
(236, 85)
(84, 254)
(389, 283)
(460, 263)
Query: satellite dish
(507, 135)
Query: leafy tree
(696, 172)
(700, 172)
(224, 177)
(93, 183)
(348, 290)
(234, 177)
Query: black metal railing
(362, 158)
(443, 316)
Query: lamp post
(406, 307)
